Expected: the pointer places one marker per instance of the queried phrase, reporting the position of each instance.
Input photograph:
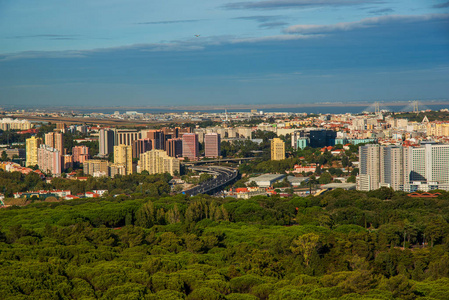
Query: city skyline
(257, 52)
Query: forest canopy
(342, 244)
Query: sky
(222, 52)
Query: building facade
(126, 137)
(315, 137)
(157, 161)
(141, 146)
(55, 140)
(67, 161)
(158, 138)
(32, 145)
(117, 169)
(123, 155)
(14, 124)
(277, 149)
(96, 167)
(369, 167)
(80, 154)
(190, 147)
(404, 168)
(106, 141)
(173, 147)
(212, 143)
(49, 160)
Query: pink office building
(212, 145)
(190, 147)
(80, 154)
(49, 160)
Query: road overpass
(213, 161)
(222, 177)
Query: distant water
(307, 109)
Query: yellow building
(123, 154)
(158, 161)
(96, 167)
(117, 169)
(32, 144)
(277, 149)
(437, 129)
(297, 123)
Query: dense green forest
(340, 245)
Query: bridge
(222, 177)
(199, 162)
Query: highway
(238, 159)
(222, 177)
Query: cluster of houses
(9, 166)
(61, 194)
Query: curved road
(222, 177)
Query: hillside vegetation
(341, 245)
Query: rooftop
(268, 177)
(345, 186)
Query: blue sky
(146, 53)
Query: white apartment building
(408, 169)
(15, 124)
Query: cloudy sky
(206, 52)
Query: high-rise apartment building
(123, 155)
(277, 149)
(212, 145)
(55, 140)
(392, 167)
(404, 168)
(369, 167)
(437, 157)
(190, 147)
(32, 145)
(106, 141)
(173, 147)
(80, 154)
(157, 161)
(49, 160)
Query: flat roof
(346, 186)
(297, 179)
(268, 177)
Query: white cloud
(291, 33)
(364, 23)
(42, 54)
(285, 4)
(272, 38)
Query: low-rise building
(267, 180)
